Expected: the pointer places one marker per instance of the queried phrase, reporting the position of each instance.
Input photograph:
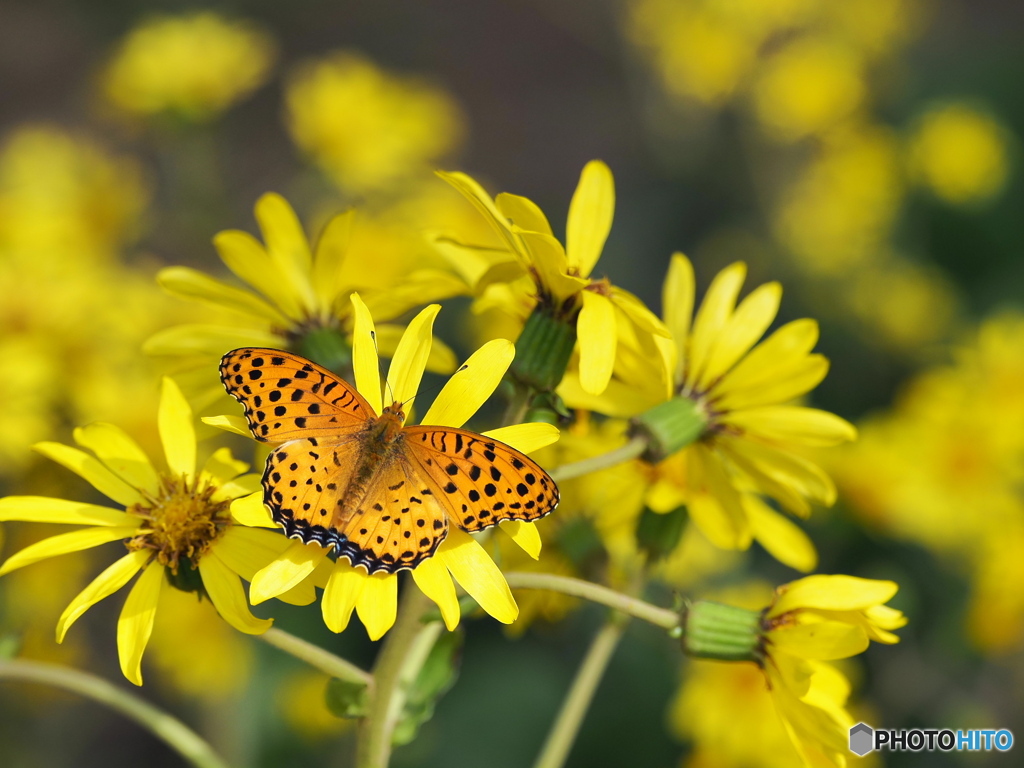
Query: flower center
(182, 521)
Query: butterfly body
(381, 493)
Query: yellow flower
(176, 527)
(299, 297)
(807, 88)
(374, 597)
(960, 153)
(555, 280)
(808, 623)
(368, 129)
(812, 621)
(194, 66)
(717, 383)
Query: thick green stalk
(631, 450)
(172, 731)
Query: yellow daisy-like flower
(460, 556)
(716, 408)
(195, 66)
(299, 297)
(554, 280)
(809, 623)
(812, 621)
(176, 526)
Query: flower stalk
(316, 657)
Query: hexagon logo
(862, 738)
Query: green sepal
(543, 350)
(724, 632)
(345, 698)
(437, 675)
(327, 347)
(669, 427)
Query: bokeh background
(865, 152)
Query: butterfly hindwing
(480, 481)
(287, 397)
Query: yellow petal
(341, 594)
(821, 640)
(246, 257)
(638, 313)
(433, 580)
(207, 340)
(718, 511)
(547, 256)
(523, 212)
(222, 466)
(528, 437)
(440, 360)
(64, 543)
(187, 283)
(798, 380)
(751, 319)
(246, 485)
(287, 245)
(40, 509)
(377, 604)
(136, 622)
(485, 205)
(525, 535)
(677, 297)
(782, 467)
(364, 355)
(783, 539)
(329, 259)
(248, 550)
(93, 471)
(411, 356)
(120, 453)
(590, 217)
(294, 564)
(236, 424)
(712, 316)
(177, 432)
(473, 568)
(107, 583)
(250, 510)
(225, 590)
(597, 338)
(664, 496)
(787, 347)
(835, 593)
(793, 424)
(471, 385)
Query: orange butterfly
(381, 493)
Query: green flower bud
(724, 632)
(670, 427)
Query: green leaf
(345, 698)
(435, 678)
(658, 533)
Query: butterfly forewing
(479, 480)
(287, 397)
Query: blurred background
(865, 153)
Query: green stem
(315, 656)
(584, 686)
(518, 404)
(172, 731)
(631, 450)
(405, 649)
(661, 617)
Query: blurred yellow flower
(960, 153)
(838, 213)
(366, 128)
(459, 556)
(176, 526)
(193, 66)
(301, 704)
(554, 281)
(63, 198)
(299, 298)
(807, 88)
